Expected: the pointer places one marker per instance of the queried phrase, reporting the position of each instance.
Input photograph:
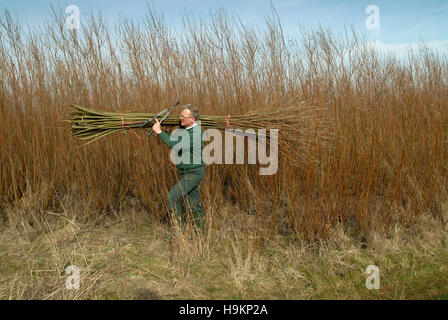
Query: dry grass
(126, 258)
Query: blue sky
(402, 22)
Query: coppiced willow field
(382, 167)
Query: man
(189, 163)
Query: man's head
(189, 115)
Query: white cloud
(441, 9)
(401, 49)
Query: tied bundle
(301, 127)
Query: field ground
(128, 257)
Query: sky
(392, 24)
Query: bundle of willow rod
(298, 125)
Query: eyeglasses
(183, 117)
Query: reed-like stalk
(293, 123)
(371, 143)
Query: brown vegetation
(387, 165)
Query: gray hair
(194, 112)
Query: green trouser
(188, 188)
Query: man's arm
(165, 137)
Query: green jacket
(188, 145)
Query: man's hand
(156, 127)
